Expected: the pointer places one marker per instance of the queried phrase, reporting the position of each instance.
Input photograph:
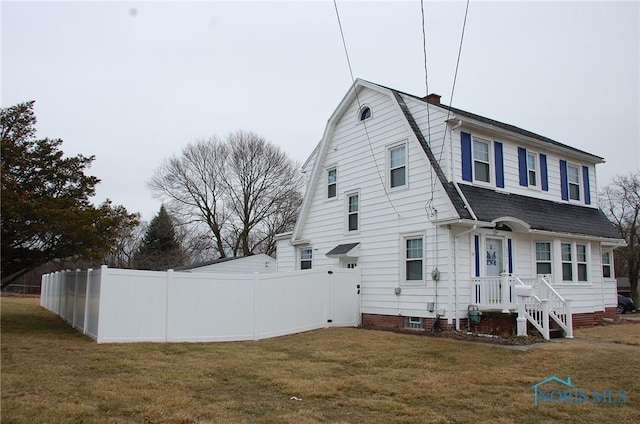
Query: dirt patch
(505, 340)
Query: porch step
(556, 333)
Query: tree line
(219, 198)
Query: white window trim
(609, 264)
(299, 257)
(403, 259)
(492, 172)
(326, 180)
(580, 183)
(347, 196)
(574, 262)
(538, 182)
(535, 257)
(388, 168)
(359, 114)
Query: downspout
(455, 273)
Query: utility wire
(364, 122)
(426, 84)
(455, 76)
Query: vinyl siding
(512, 170)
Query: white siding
(286, 255)
(511, 169)
(384, 216)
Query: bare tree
(620, 201)
(193, 186)
(128, 239)
(244, 190)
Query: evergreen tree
(159, 249)
(46, 214)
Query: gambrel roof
(473, 204)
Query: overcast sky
(134, 82)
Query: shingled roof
(489, 205)
(511, 128)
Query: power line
(364, 122)
(455, 76)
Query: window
(543, 258)
(567, 263)
(365, 113)
(581, 260)
(606, 265)
(306, 258)
(415, 323)
(574, 262)
(352, 214)
(413, 259)
(573, 178)
(481, 164)
(532, 169)
(332, 178)
(397, 166)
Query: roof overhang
(349, 250)
(471, 123)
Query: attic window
(365, 113)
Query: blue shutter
(510, 253)
(465, 142)
(522, 166)
(587, 191)
(476, 243)
(544, 175)
(499, 164)
(564, 185)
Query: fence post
(75, 298)
(256, 306)
(86, 302)
(168, 288)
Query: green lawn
(52, 374)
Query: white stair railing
(546, 302)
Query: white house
(441, 209)
(260, 263)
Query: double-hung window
(573, 180)
(353, 211)
(413, 258)
(581, 261)
(332, 183)
(575, 262)
(532, 169)
(398, 166)
(567, 261)
(481, 162)
(543, 258)
(306, 258)
(606, 265)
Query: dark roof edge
(453, 194)
(495, 123)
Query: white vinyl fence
(121, 305)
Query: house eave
(608, 241)
(565, 150)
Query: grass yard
(52, 374)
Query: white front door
(494, 256)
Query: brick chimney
(433, 98)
